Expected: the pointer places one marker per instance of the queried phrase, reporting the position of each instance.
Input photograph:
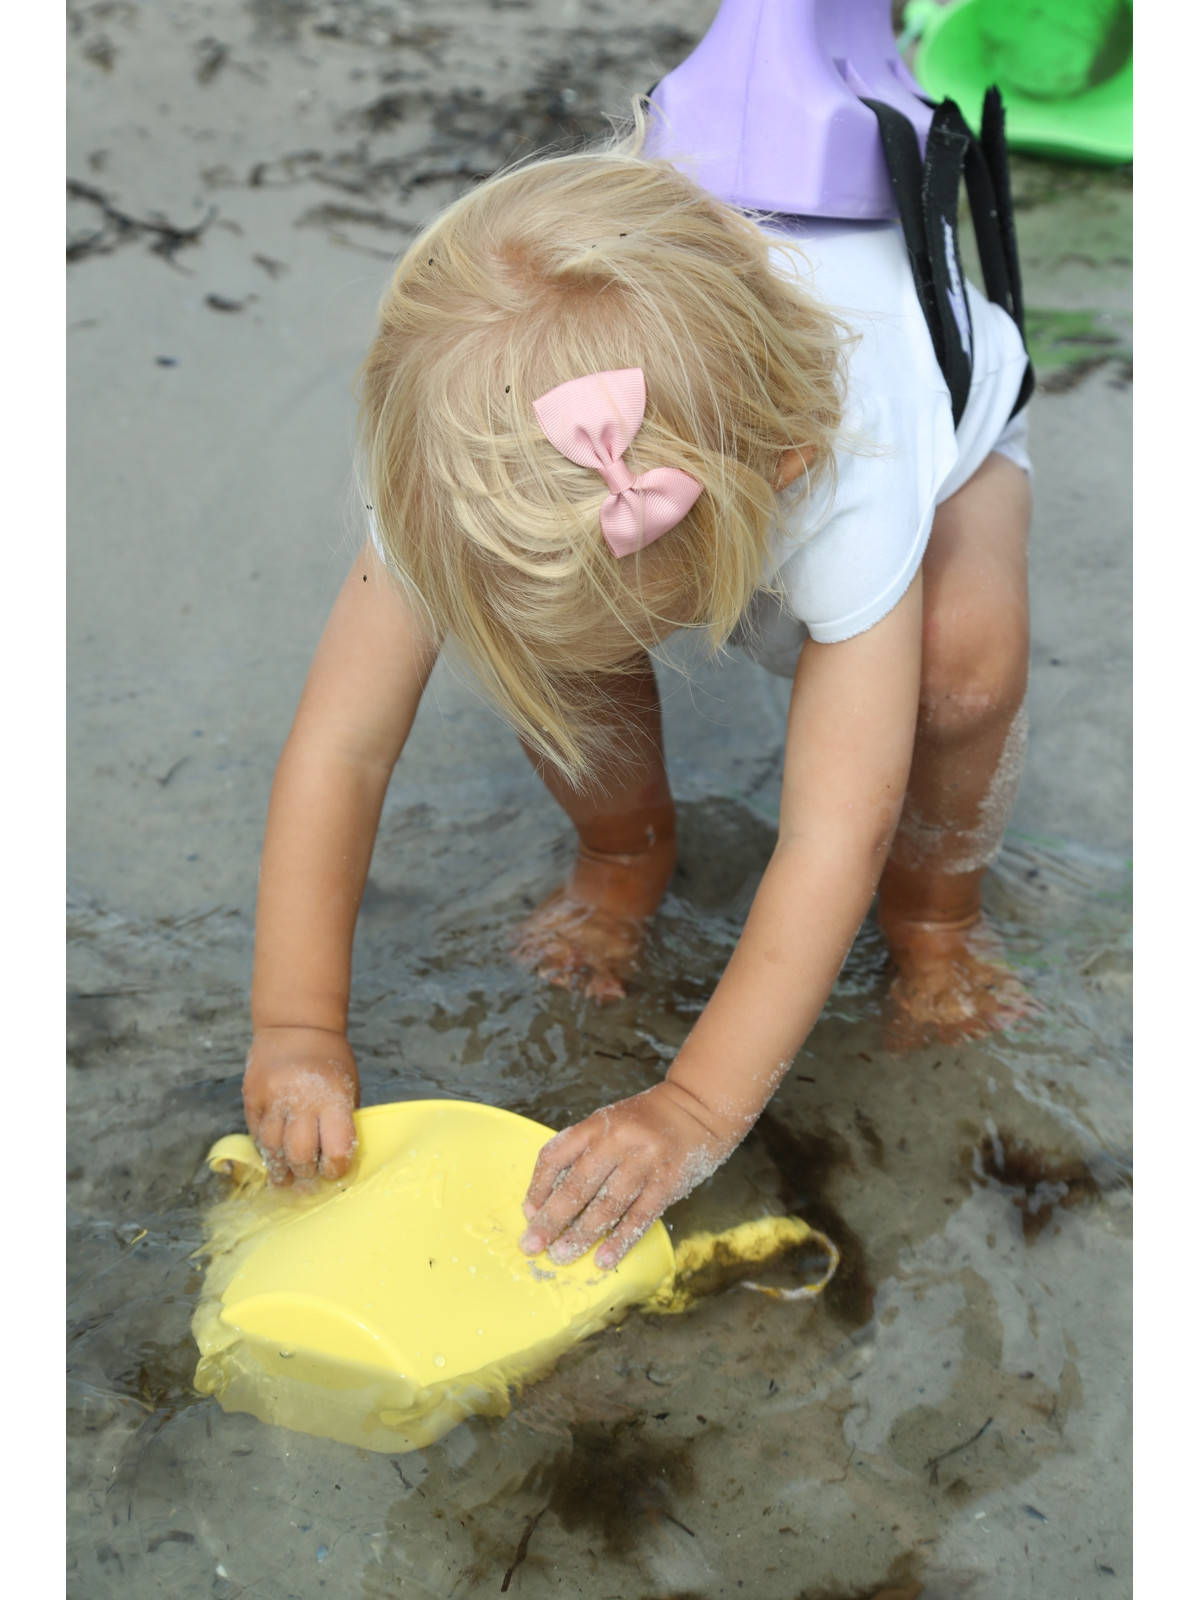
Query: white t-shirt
(845, 556)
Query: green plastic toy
(1064, 67)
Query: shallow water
(952, 1418)
(924, 1428)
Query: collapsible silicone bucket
(382, 1309)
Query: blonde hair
(564, 266)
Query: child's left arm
(849, 745)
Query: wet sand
(953, 1417)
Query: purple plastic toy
(765, 113)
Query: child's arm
(358, 705)
(849, 744)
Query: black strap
(985, 217)
(994, 148)
(946, 147)
(927, 201)
(905, 168)
(990, 199)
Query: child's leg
(967, 762)
(587, 933)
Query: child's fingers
(337, 1140)
(566, 1201)
(554, 1158)
(271, 1128)
(300, 1143)
(645, 1211)
(609, 1204)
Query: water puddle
(926, 1429)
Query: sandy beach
(953, 1417)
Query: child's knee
(974, 669)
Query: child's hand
(300, 1090)
(618, 1170)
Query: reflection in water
(924, 1429)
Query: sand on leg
(586, 936)
(967, 757)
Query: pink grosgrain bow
(592, 421)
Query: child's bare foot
(587, 935)
(950, 984)
(579, 946)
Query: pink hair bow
(592, 421)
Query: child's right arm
(358, 705)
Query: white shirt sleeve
(848, 574)
(844, 557)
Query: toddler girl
(602, 406)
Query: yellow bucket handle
(237, 1157)
(706, 1262)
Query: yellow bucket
(383, 1309)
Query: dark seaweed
(806, 1162)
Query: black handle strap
(927, 200)
(905, 168)
(946, 148)
(994, 147)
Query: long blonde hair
(560, 267)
